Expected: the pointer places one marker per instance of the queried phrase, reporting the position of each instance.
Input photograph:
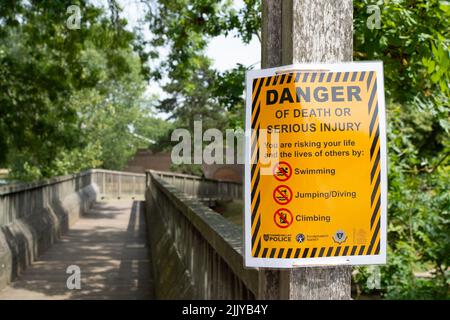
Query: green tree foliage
(414, 44)
(192, 99)
(195, 90)
(68, 98)
(154, 129)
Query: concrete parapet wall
(34, 215)
(202, 188)
(196, 253)
(25, 238)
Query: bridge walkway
(108, 244)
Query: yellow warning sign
(315, 166)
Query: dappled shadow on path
(109, 246)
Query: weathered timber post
(295, 31)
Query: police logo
(277, 237)
(300, 238)
(339, 236)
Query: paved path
(109, 246)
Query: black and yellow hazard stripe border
(262, 256)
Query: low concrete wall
(201, 188)
(119, 184)
(196, 253)
(34, 215)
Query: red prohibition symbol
(282, 171)
(282, 194)
(283, 218)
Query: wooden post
(296, 31)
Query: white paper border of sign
(250, 261)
